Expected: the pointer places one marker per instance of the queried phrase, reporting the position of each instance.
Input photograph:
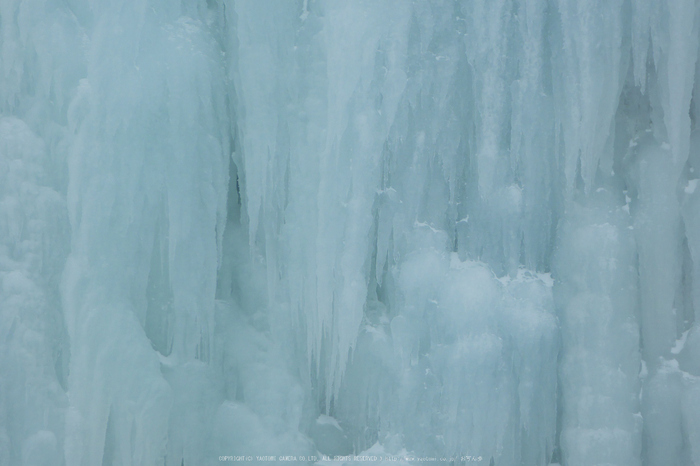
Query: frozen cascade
(418, 229)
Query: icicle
(487, 42)
(591, 73)
(675, 32)
(641, 39)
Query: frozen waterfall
(341, 232)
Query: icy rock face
(329, 437)
(419, 229)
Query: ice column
(600, 362)
(33, 350)
(149, 155)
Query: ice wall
(424, 228)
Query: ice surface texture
(453, 229)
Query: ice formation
(414, 231)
